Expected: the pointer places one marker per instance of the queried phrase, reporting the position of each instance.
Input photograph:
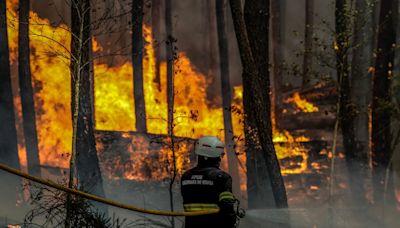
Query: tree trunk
(308, 39)
(361, 86)
(212, 45)
(8, 134)
(258, 182)
(137, 58)
(381, 136)
(170, 62)
(346, 109)
(84, 146)
(277, 60)
(255, 95)
(170, 40)
(227, 96)
(26, 90)
(155, 26)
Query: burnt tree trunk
(212, 43)
(277, 60)
(170, 62)
(137, 58)
(381, 136)
(255, 95)
(8, 133)
(346, 110)
(155, 27)
(226, 95)
(259, 187)
(308, 44)
(26, 91)
(170, 50)
(361, 86)
(84, 152)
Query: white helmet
(209, 146)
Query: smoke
(11, 198)
(323, 216)
(342, 209)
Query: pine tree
(137, 58)
(26, 90)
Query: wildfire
(49, 66)
(114, 103)
(302, 104)
(286, 145)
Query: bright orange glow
(12, 226)
(286, 145)
(12, 27)
(193, 116)
(302, 104)
(49, 66)
(114, 105)
(314, 188)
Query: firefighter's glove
(227, 208)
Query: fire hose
(103, 200)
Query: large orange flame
(114, 103)
(49, 65)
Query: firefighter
(206, 186)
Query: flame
(114, 105)
(193, 116)
(21, 142)
(286, 145)
(12, 26)
(314, 188)
(302, 104)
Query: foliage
(49, 210)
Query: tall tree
(170, 50)
(226, 95)
(8, 133)
(84, 146)
(258, 178)
(277, 59)
(26, 90)
(155, 26)
(212, 37)
(346, 110)
(255, 95)
(360, 93)
(381, 136)
(170, 62)
(137, 57)
(308, 39)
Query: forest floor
(309, 211)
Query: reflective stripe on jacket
(205, 188)
(199, 206)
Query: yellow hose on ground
(100, 199)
